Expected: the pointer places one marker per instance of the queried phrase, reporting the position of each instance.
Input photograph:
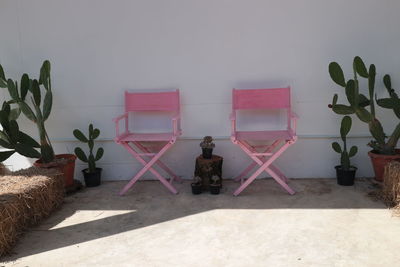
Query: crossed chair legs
(147, 165)
(259, 158)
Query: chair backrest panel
(275, 98)
(152, 101)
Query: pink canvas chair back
(152, 101)
(262, 99)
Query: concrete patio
(322, 225)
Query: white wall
(100, 48)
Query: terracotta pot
(379, 161)
(65, 163)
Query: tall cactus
(41, 109)
(91, 159)
(344, 155)
(13, 139)
(358, 103)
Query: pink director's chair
(263, 99)
(153, 101)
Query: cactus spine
(41, 109)
(91, 159)
(358, 103)
(344, 155)
(13, 139)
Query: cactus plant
(13, 139)
(344, 155)
(90, 159)
(207, 142)
(358, 102)
(41, 108)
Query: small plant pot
(92, 179)
(65, 163)
(345, 177)
(196, 188)
(207, 153)
(215, 189)
(379, 162)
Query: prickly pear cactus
(28, 97)
(91, 158)
(344, 155)
(358, 103)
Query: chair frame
(260, 99)
(151, 101)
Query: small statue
(207, 146)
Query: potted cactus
(215, 185)
(28, 98)
(13, 139)
(207, 146)
(345, 172)
(92, 174)
(383, 146)
(197, 186)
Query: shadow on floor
(149, 203)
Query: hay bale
(26, 197)
(391, 185)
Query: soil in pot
(65, 163)
(215, 189)
(207, 153)
(92, 179)
(345, 177)
(379, 162)
(196, 188)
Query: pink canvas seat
(147, 145)
(277, 141)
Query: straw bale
(26, 197)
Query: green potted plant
(14, 140)
(197, 186)
(92, 174)
(215, 185)
(28, 98)
(345, 172)
(383, 146)
(207, 146)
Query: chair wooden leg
(147, 167)
(264, 167)
(160, 164)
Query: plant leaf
(336, 147)
(27, 151)
(99, 154)
(5, 155)
(80, 154)
(353, 151)
(336, 74)
(360, 67)
(26, 139)
(80, 136)
(47, 104)
(345, 127)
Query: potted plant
(215, 185)
(345, 172)
(207, 146)
(197, 186)
(13, 139)
(92, 174)
(383, 146)
(38, 111)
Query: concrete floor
(322, 225)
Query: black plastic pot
(345, 177)
(92, 179)
(215, 189)
(196, 188)
(207, 153)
